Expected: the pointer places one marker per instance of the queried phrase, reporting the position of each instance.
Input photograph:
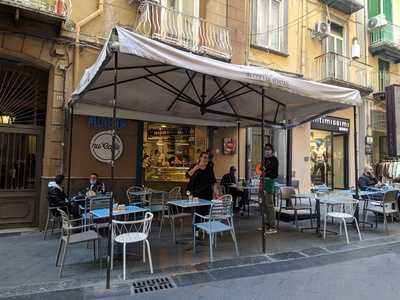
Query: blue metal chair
(219, 220)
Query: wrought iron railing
(335, 67)
(382, 79)
(388, 34)
(184, 31)
(59, 8)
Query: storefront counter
(174, 174)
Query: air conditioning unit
(355, 50)
(322, 30)
(377, 22)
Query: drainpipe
(78, 27)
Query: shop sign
(101, 145)
(106, 123)
(168, 131)
(368, 149)
(331, 124)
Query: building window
(269, 28)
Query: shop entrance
(23, 94)
(329, 152)
(329, 159)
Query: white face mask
(93, 181)
(268, 152)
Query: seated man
(227, 181)
(55, 194)
(95, 186)
(367, 179)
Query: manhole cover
(152, 285)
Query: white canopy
(157, 82)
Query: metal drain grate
(152, 285)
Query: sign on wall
(229, 146)
(101, 145)
(331, 124)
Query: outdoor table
(129, 209)
(192, 204)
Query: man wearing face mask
(95, 185)
(270, 174)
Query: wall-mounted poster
(229, 146)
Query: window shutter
(373, 8)
(387, 10)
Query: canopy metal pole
(355, 150)
(289, 146)
(114, 126)
(71, 124)
(139, 154)
(262, 191)
(238, 149)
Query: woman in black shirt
(202, 178)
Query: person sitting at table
(228, 181)
(55, 194)
(95, 186)
(368, 179)
(57, 198)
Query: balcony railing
(56, 8)
(383, 79)
(183, 31)
(336, 69)
(386, 42)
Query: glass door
(339, 161)
(334, 47)
(329, 159)
(383, 75)
(182, 21)
(321, 158)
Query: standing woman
(202, 178)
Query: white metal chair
(343, 212)
(126, 232)
(69, 236)
(173, 212)
(219, 220)
(387, 207)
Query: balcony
(183, 31)
(51, 8)
(333, 68)
(381, 80)
(346, 6)
(385, 42)
(37, 17)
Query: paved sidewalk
(364, 261)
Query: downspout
(78, 27)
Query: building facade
(45, 46)
(339, 43)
